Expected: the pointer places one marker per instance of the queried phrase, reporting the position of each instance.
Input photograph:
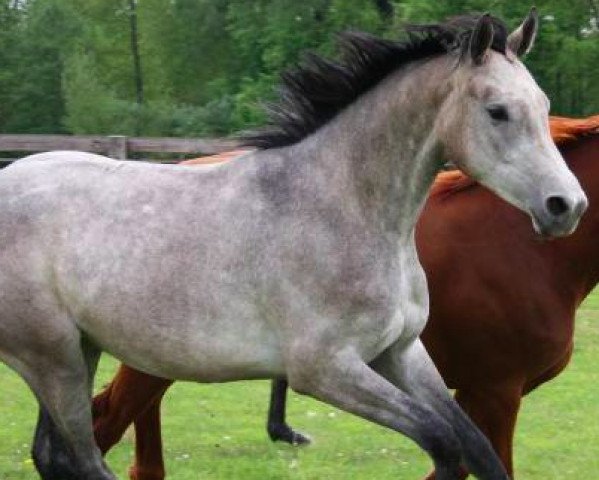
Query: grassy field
(216, 432)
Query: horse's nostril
(557, 206)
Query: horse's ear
(481, 39)
(520, 41)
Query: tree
(203, 67)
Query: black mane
(318, 89)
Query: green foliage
(33, 47)
(207, 65)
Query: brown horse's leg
(494, 410)
(149, 462)
(276, 426)
(129, 394)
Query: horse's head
(494, 125)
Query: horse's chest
(404, 317)
(412, 311)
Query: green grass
(217, 432)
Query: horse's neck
(579, 252)
(379, 156)
(577, 258)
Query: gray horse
(300, 263)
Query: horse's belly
(205, 353)
(210, 364)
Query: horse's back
(49, 167)
(62, 156)
(73, 167)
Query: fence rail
(115, 146)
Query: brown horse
(500, 325)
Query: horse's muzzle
(558, 216)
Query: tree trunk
(559, 102)
(595, 11)
(137, 75)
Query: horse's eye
(498, 113)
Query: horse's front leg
(344, 380)
(411, 369)
(276, 426)
(494, 408)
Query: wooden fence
(116, 146)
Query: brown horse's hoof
(137, 473)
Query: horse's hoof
(284, 433)
(136, 473)
(300, 440)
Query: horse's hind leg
(345, 381)
(149, 461)
(276, 426)
(133, 396)
(63, 447)
(412, 370)
(124, 401)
